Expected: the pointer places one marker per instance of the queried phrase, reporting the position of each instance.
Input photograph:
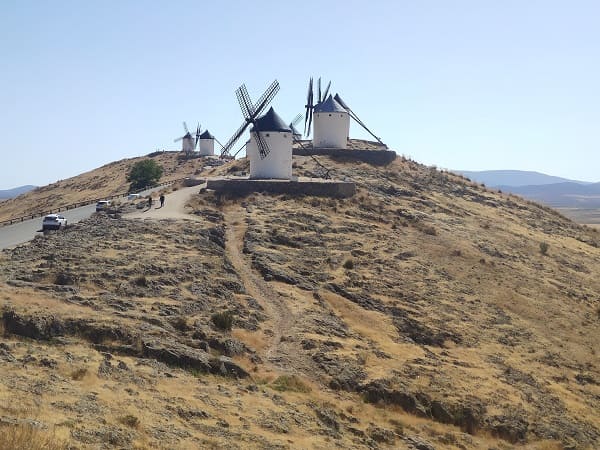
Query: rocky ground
(425, 312)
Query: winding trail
(279, 351)
(272, 302)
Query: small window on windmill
(329, 115)
(267, 135)
(284, 135)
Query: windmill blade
(319, 89)
(296, 120)
(266, 98)
(239, 150)
(198, 130)
(338, 99)
(353, 115)
(326, 90)
(234, 138)
(179, 139)
(263, 148)
(360, 122)
(219, 142)
(309, 105)
(186, 128)
(244, 101)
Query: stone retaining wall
(375, 157)
(243, 187)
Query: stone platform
(242, 186)
(358, 149)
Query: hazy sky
(460, 84)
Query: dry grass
(26, 437)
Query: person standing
(150, 202)
(162, 200)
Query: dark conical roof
(271, 122)
(329, 105)
(206, 135)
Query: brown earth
(425, 312)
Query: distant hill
(553, 191)
(14, 192)
(496, 178)
(561, 195)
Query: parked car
(102, 205)
(53, 222)
(133, 196)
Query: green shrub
(129, 420)
(143, 174)
(290, 383)
(141, 281)
(223, 320)
(348, 264)
(78, 374)
(544, 248)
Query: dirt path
(274, 305)
(280, 352)
(174, 207)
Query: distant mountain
(560, 195)
(494, 178)
(14, 192)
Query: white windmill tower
(187, 141)
(207, 144)
(270, 132)
(332, 125)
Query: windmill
(251, 112)
(353, 115)
(310, 105)
(187, 141)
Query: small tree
(144, 173)
(544, 248)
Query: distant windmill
(251, 112)
(187, 141)
(207, 144)
(310, 105)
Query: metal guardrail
(79, 204)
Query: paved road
(15, 234)
(18, 233)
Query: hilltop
(425, 312)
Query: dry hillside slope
(425, 312)
(108, 180)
